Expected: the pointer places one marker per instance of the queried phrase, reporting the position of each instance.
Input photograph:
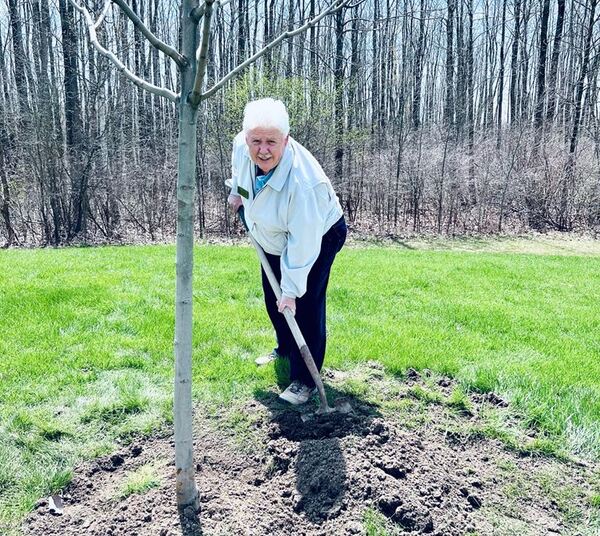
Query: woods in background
(429, 116)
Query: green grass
(424, 394)
(375, 523)
(140, 481)
(86, 346)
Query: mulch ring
(336, 475)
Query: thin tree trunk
(187, 492)
(564, 220)
(5, 205)
(20, 59)
(560, 17)
(339, 96)
(73, 122)
(418, 70)
(541, 71)
(514, 92)
(501, 78)
(470, 106)
(449, 104)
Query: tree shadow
(318, 462)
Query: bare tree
(192, 65)
(564, 217)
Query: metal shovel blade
(341, 405)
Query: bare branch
(197, 14)
(163, 47)
(163, 92)
(195, 95)
(336, 6)
(102, 16)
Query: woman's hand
(235, 202)
(288, 302)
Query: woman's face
(266, 147)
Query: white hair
(266, 113)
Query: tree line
(435, 116)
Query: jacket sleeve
(235, 162)
(306, 218)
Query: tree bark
(554, 61)
(20, 59)
(541, 69)
(564, 220)
(501, 78)
(339, 96)
(73, 123)
(418, 70)
(514, 91)
(187, 492)
(5, 205)
(449, 104)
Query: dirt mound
(347, 474)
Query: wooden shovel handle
(289, 317)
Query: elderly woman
(294, 214)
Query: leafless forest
(429, 116)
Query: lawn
(86, 346)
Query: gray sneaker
(266, 359)
(297, 393)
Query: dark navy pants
(310, 308)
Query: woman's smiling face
(266, 146)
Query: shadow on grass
(319, 466)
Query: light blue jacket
(290, 215)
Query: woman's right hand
(235, 202)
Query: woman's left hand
(288, 302)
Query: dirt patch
(348, 474)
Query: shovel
(341, 405)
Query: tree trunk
(73, 122)
(5, 205)
(514, 92)
(418, 70)
(20, 59)
(554, 61)
(449, 104)
(187, 492)
(339, 96)
(470, 106)
(501, 78)
(541, 71)
(564, 220)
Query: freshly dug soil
(328, 476)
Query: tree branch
(336, 6)
(163, 47)
(102, 16)
(163, 92)
(195, 96)
(197, 14)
